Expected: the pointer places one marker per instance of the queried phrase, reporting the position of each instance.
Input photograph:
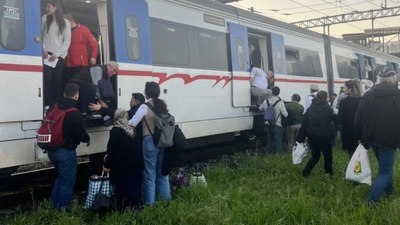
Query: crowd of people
(364, 114)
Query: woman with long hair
(347, 111)
(154, 183)
(56, 34)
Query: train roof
(241, 13)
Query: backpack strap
(279, 110)
(151, 107)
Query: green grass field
(250, 188)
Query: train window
(212, 50)
(170, 44)
(132, 37)
(12, 25)
(303, 62)
(347, 67)
(240, 53)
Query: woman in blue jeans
(154, 183)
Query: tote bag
(359, 169)
(100, 189)
(299, 152)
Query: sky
(298, 10)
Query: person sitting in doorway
(96, 86)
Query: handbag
(100, 193)
(359, 169)
(299, 152)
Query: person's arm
(283, 109)
(77, 131)
(63, 49)
(140, 113)
(91, 41)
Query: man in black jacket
(377, 123)
(64, 158)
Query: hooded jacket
(73, 130)
(317, 121)
(378, 116)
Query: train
(196, 50)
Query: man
(64, 158)
(314, 88)
(274, 131)
(295, 113)
(259, 85)
(377, 124)
(95, 84)
(81, 40)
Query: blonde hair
(356, 87)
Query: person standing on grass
(64, 158)
(124, 161)
(295, 115)
(317, 125)
(347, 109)
(377, 123)
(154, 183)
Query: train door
(240, 65)
(131, 39)
(20, 61)
(366, 64)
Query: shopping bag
(359, 169)
(299, 152)
(100, 192)
(198, 178)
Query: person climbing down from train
(154, 183)
(82, 45)
(96, 86)
(56, 35)
(259, 85)
(274, 127)
(317, 126)
(314, 88)
(64, 158)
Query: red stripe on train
(19, 67)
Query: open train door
(21, 61)
(131, 29)
(240, 65)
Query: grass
(249, 188)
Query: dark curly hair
(152, 90)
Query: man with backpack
(274, 111)
(62, 152)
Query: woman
(124, 162)
(153, 180)
(347, 111)
(318, 127)
(56, 32)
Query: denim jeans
(384, 181)
(65, 162)
(154, 184)
(274, 135)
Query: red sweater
(81, 39)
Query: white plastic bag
(359, 169)
(299, 152)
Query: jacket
(73, 130)
(317, 121)
(378, 116)
(81, 39)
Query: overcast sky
(297, 10)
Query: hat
(314, 87)
(388, 72)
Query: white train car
(197, 50)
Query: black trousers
(53, 82)
(318, 145)
(128, 191)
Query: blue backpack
(269, 114)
